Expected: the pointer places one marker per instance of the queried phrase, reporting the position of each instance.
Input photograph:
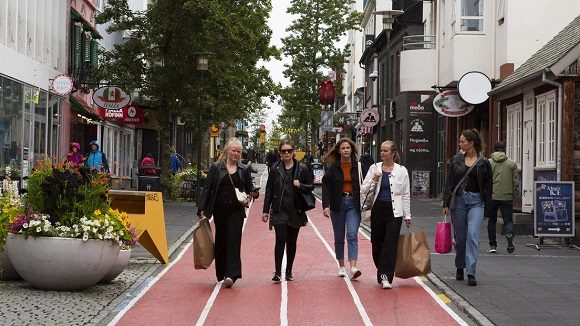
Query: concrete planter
(7, 271)
(53, 263)
(119, 266)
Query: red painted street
(181, 295)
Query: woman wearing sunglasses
(284, 207)
(341, 201)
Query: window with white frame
(546, 130)
(514, 133)
(471, 19)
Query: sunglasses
(286, 151)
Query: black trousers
(286, 236)
(385, 229)
(228, 221)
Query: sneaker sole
(228, 282)
(355, 275)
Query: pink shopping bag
(443, 241)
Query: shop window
(514, 133)
(546, 130)
(471, 19)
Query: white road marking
(440, 302)
(284, 301)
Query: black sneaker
(459, 274)
(276, 278)
(510, 240)
(471, 280)
(492, 249)
(289, 276)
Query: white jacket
(400, 188)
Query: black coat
(275, 186)
(217, 172)
(457, 170)
(332, 186)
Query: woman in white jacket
(387, 182)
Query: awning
(83, 108)
(77, 17)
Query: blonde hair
(396, 157)
(229, 143)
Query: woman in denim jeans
(341, 201)
(472, 200)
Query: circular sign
(111, 97)
(449, 104)
(62, 85)
(131, 112)
(473, 87)
(369, 117)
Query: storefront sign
(62, 85)
(554, 209)
(419, 145)
(449, 104)
(130, 114)
(111, 97)
(418, 109)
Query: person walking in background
(148, 160)
(74, 157)
(505, 185)
(284, 206)
(468, 193)
(220, 201)
(95, 159)
(366, 159)
(174, 162)
(391, 204)
(341, 201)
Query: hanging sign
(111, 97)
(214, 130)
(62, 85)
(131, 114)
(369, 117)
(449, 104)
(554, 209)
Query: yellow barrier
(145, 211)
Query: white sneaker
(341, 272)
(354, 273)
(385, 282)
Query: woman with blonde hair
(391, 205)
(341, 201)
(220, 201)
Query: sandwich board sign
(554, 209)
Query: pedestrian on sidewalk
(74, 157)
(219, 200)
(95, 159)
(468, 194)
(284, 207)
(391, 205)
(505, 185)
(341, 201)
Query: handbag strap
(231, 180)
(359, 175)
(465, 175)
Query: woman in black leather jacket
(284, 206)
(219, 200)
(469, 200)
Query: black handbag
(307, 198)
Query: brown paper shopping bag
(413, 258)
(203, 245)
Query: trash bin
(149, 181)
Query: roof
(548, 55)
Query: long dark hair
(396, 157)
(334, 155)
(474, 136)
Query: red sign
(326, 93)
(130, 114)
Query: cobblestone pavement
(22, 304)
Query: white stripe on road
(355, 297)
(284, 301)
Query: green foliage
(35, 195)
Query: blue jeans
(467, 218)
(506, 207)
(347, 218)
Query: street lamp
(202, 65)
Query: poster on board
(554, 209)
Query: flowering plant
(64, 201)
(11, 206)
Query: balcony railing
(418, 42)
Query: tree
(312, 48)
(159, 60)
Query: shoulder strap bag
(460, 183)
(242, 197)
(367, 202)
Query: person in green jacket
(505, 185)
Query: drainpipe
(559, 134)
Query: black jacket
(332, 186)
(217, 172)
(457, 170)
(275, 186)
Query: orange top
(347, 180)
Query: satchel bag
(307, 198)
(461, 184)
(366, 206)
(413, 258)
(203, 245)
(443, 242)
(241, 196)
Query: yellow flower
(97, 212)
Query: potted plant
(69, 237)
